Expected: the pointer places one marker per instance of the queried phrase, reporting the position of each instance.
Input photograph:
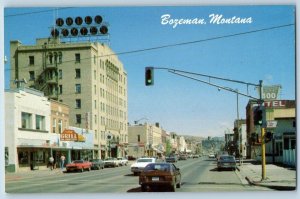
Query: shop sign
(271, 124)
(68, 135)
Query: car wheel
(178, 185)
(143, 188)
(173, 187)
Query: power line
(36, 12)
(184, 43)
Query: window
(31, 75)
(60, 89)
(95, 75)
(139, 138)
(60, 74)
(95, 119)
(78, 103)
(54, 126)
(50, 58)
(26, 120)
(59, 126)
(31, 60)
(77, 75)
(40, 122)
(23, 157)
(95, 58)
(78, 118)
(78, 88)
(55, 58)
(60, 57)
(95, 89)
(95, 103)
(77, 58)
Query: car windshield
(227, 158)
(160, 167)
(145, 160)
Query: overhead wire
(183, 43)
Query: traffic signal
(258, 117)
(149, 76)
(268, 137)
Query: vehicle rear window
(160, 167)
(230, 158)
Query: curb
(275, 187)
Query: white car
(140, 164)
(122, 161)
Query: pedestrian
(62, 161)
(51, 162)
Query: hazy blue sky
(179, 104)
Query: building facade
(86, 76)
(27, 129)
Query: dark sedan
(160, 175)
(97, 164)
(226, 162)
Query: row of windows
(27, 121)
(104, 121)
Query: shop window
(26, 120)
(40, 122)
(23, 157)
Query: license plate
(155, 178)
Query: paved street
(198, 175)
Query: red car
(79, 165)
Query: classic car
(111, 162)
(97, 164)
(79, 165)
(122, 161)
(160, 175)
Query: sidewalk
(277, 177)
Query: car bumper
(136, 169)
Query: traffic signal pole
(263, 143)
(260, 100)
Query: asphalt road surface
(198, 175)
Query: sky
(261, 50)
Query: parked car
(79, 165)
(195, 156)
(111, 162)
(140, 164)
(160, 175)
(97, 164)
(182, 157)
(122, 161)
(171, 158)
(211, 155)
(226, 162)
